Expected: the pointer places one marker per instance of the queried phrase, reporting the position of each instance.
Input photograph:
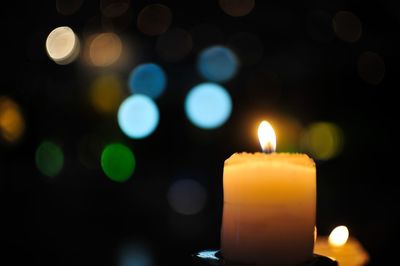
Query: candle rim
(299, 159)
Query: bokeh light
(323, 140)
(187, 196)
(174, 45)
(12, 122)
(347, 26)
(237, 8)
(371, 68)
(319, 26)
(68, 7)
(148, 79)
(104, 49)
(117, 24)
(114, 8)
(49, 158)
(154, 19)
(205, 35)
(208, 105)
(135, 255)
(62, 45)
(138, 116)
(217, 63)
(118, 162)
(106, 94)
(339, 236)
(247, 47)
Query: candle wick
(268, 148)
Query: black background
(82, 218)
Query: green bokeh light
(49, 158)
(323, 140)
(118, 162)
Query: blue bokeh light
(135, 255)
(208, 105)
(148, 79)
(217, 64)
(138, 116)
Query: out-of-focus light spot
(208, 105)
(138, 116)
(114, 8)
(135, 255)
(104, 49)
(154, 19)
(106, 94)
(264, 84)
(205, 35)
(237, 8)
(12, 122)
(68, 7)
(339, 236)
(174, 45)
(117, 24)
(319, 26)
(323, 140)
(118, 162)
(217, 64)
(148, 79)
(187, 196)
(89, 150)
(49, 158)
(62, 45)
(347, 26)
(371, 68)
(247, 47)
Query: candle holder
(213, 257)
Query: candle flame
(338, 237)
(267, 137)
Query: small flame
(339, 236)
(267, 137)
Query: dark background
(82, 218)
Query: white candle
(269, 206)
(348, 251)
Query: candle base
(213, 258)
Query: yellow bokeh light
(12, 122)
(322, 140)
(237, 8)
(104, 49)
(154, 19)
(106, 94)
(347, 26)
(62, 45)
(338, 237)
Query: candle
(348, 251)
(269, 205)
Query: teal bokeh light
(148, 79)
(217, 64)
(208, 105)
(138, 116)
